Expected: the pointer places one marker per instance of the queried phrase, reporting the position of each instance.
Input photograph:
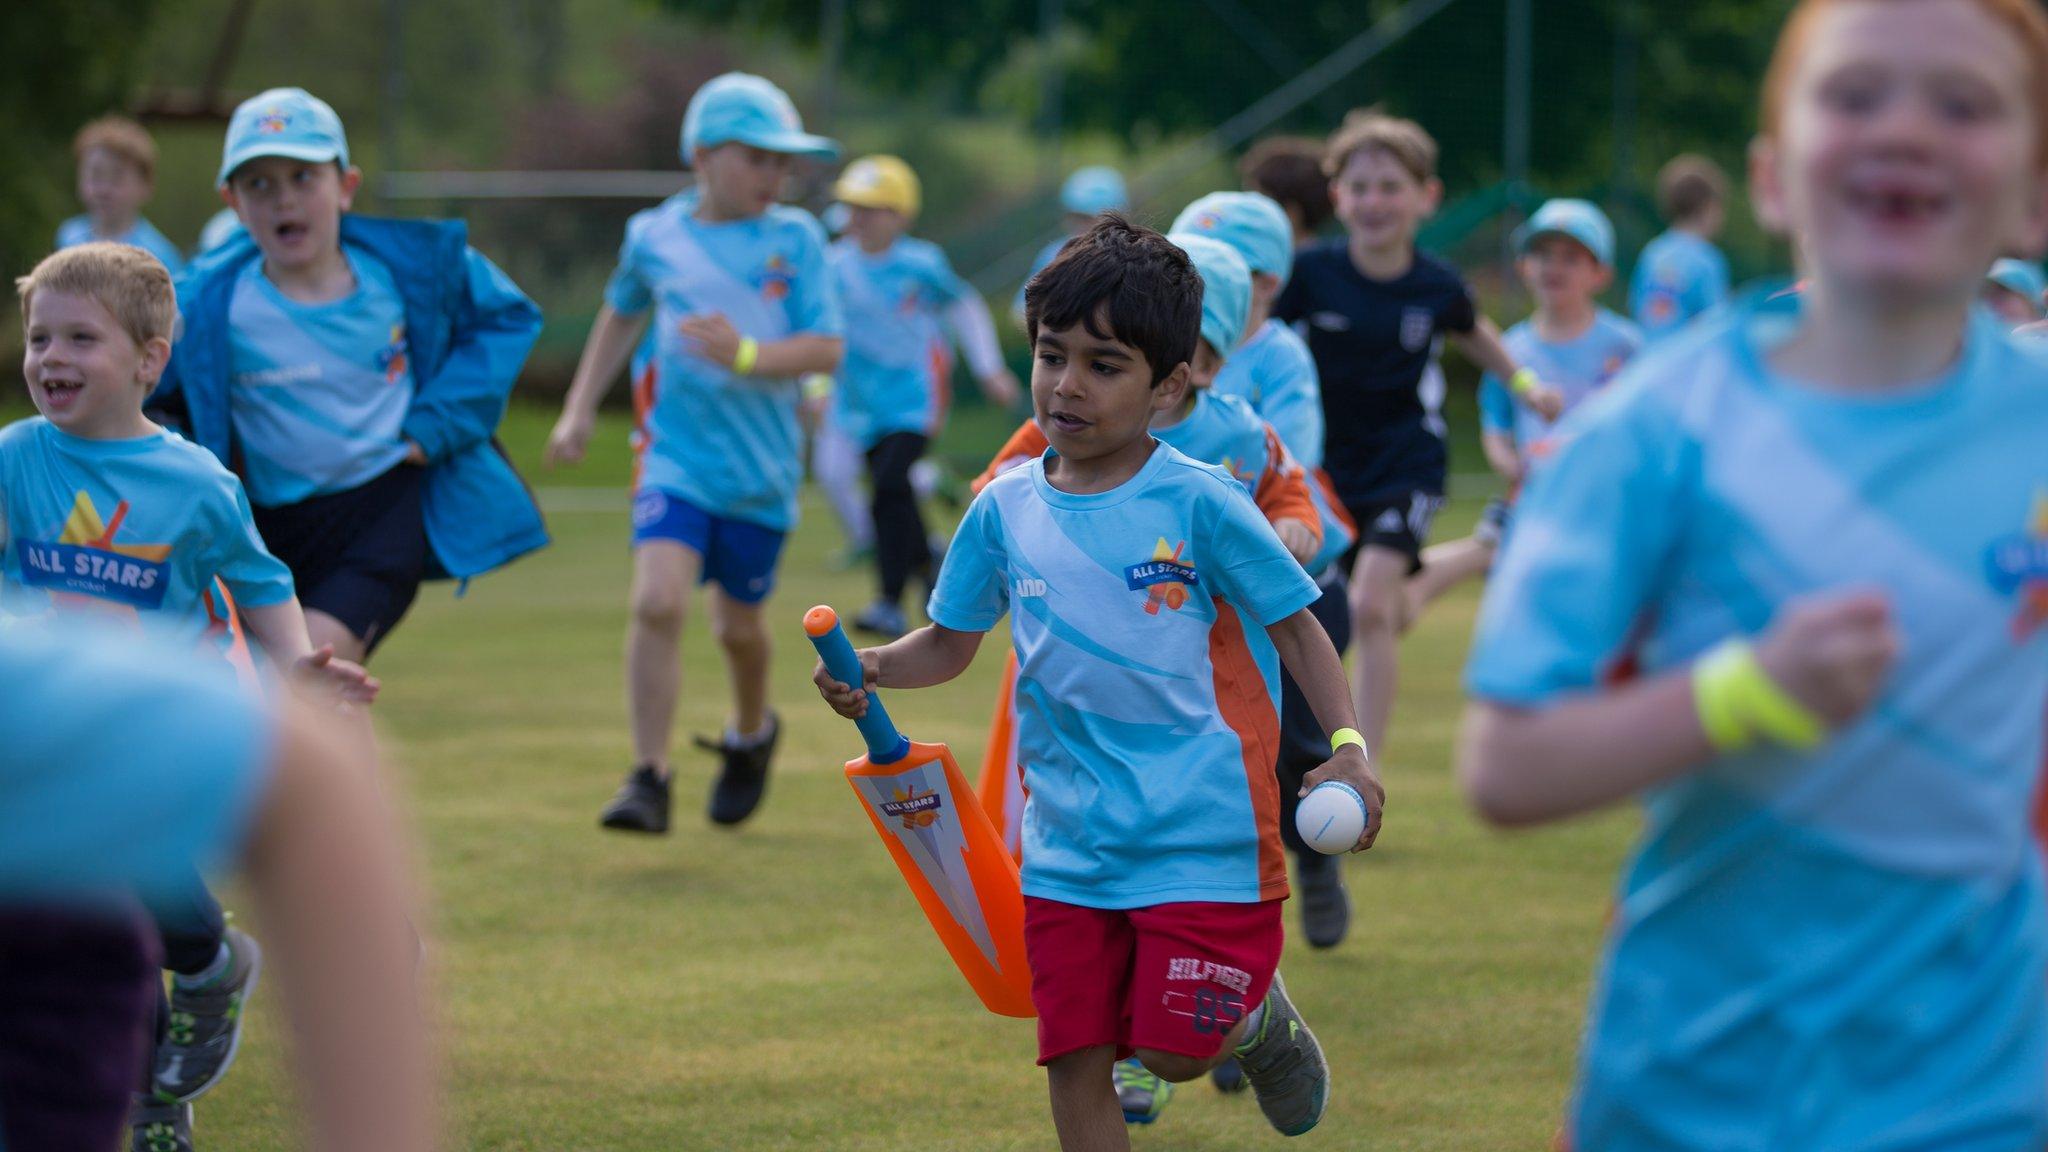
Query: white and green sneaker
(156, 1126)
(1139, 1093)
(1285, 1066)
(205, 1026)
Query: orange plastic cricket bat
(942, 841)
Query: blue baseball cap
(1247, 221)
(1093, 190)
(1226, 288)
(1579, 220)
(2021, 276)
(288, 122)
(751, 110)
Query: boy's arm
(1282, 494)
(1482, 345)
(280, 630)
(975, 330)
(1526, 766)
(1502, 455)
(931, 655)
(1305, 650)
(721, 343)
(495, 327)
(605, 351)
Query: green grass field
(774, 987)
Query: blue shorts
(739, 555)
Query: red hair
(2024, 19)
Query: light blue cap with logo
(1580, 220)
(1093, 190)
(1247, 221)
(739, 107)
(2021, 276)
(1226, 288)
(288, 122)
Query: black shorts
(359, 555)
(1399, 523)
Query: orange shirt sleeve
(1282, 493)
(1027, 443)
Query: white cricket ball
(1331, 817)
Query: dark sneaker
(641, 804)
(156, 1126)
(204, 1030)
(744, 778)
(1325, 904)
(1228, 1077)
(881, 619)
(1139, 1093)
(1286, 1066)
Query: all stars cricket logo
(1165, 579)
(2019, 564)
(914, 808)
(87, 561)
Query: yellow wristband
(817, 386)
(1344, 736)
(1523, 382)
(743, 359)
(1739, 703)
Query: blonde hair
(1369, 129)
(2023, 19)
(125, 280)
(121, 136)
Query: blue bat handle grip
(885, 744)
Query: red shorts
(1171, 977)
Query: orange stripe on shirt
(1282, 493)
(1243, 703)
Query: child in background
(2015, 291)
(108, 515)
(116, 177)
(1818, 531)
(352, 371)
(1152, 868)
(742, 304)
(1565, 256)
(1375, 308)
(1680, 274)
(1289, 170)
(893, 391)
(1087, 194)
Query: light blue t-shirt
(319, 392)
(726, 443)
(135, 530)
(1677, 277)
(1275, 374)
(1224, 431)
(1147, 692)
(123, 764)
(1038, 263)
(897, 358)
(142, 234)
(1577, 368)
(1841, 949)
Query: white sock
(218, 968)
(734, 738)
(1252, 1024)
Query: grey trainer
(1286, 1066)
(205, 1028)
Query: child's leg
(836, 466)
(743, 637)
(1180, 1068)
(1378, 602)
(1084, 1107)
(901, 548)
(1444, 567)
(664, 571)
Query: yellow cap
(879, 182)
